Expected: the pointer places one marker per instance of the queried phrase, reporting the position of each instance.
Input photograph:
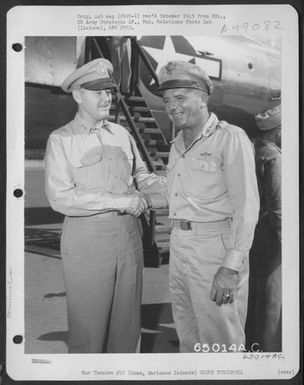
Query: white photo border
(23, 21)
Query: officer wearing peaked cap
(181, 74)
(92, 166)
(213, 207)
(92, 76)
(265, 302)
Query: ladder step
(143, 119)
(163, 229)
(152, 131)
(162, 239)
(121, 117)
(155, 142)
(113, 106)
(164, 248)
(135, 99)
(162, 212)
(159, 154)
(139, 109)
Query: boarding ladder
(132, 110)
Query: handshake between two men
(137, 203)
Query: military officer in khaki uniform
(265, 300)
(95, 176)
(213, 207)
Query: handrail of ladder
(135, 131)
(138, 48)
(130, 120)
(151, 224)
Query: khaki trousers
(264, 323)
(103, 268)
(195, 256)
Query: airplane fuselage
(245, 73)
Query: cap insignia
(170, 68)
(101, 69)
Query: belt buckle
(185, 225)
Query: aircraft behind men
(245, 73)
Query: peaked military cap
(269, 119)
(181, 74)
(94, 75)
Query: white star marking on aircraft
(166, 54)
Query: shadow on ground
(158, 333)
(55, 295)
(42, 236)
(55, 336)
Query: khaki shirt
(89, 171)
(268, 168)
(215, 179)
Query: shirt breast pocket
(86, 167)
(91, 157)
(87, 158)
(203, 177)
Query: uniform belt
(113, 213)
(185, 225)
(105, 214)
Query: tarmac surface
(45, 299)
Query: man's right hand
(137, 205)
